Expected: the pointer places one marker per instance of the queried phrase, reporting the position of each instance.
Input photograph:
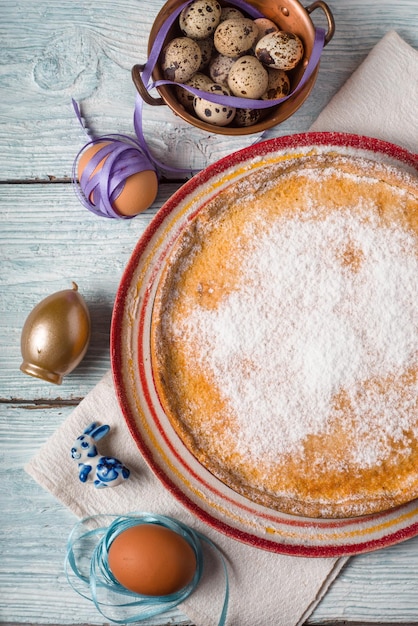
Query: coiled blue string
(105, 591)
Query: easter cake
(284, 336)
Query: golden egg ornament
(55, 336)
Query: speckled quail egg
(247, 117)
(198, 80)
(278, 85)
(211, 112)
(265, 27)
(180, 59)
(206, 49)
(229, 13)
(248, 78)
(219, 68)
(280, 50)
(234, 37)
(199, 19)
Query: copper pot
(290, 16)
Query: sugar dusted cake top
(285, 336)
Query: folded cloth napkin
(265, 588)
(380, 99)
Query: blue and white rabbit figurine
(106, 471)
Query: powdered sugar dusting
(326, 305)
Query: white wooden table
(52, 51)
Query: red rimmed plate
(168, 457)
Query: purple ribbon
(122, 157)
(234, 101)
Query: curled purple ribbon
(120, 157)
(123, 156)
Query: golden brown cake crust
(285, 336)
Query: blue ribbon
(106, 592)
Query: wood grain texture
(53, 51)
(43, 251)
(380, 586)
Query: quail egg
(247, 117)
(279, 50)
(199, 19)
(229, 13)
(181, 58)
(278, 85)
(248, 78)
(234, 37)
(211, 112)
(199, 81)
(219, 68)
(206, 49)
(265, 27)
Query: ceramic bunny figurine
(106, 471)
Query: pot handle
(330, 18)
(142, 90)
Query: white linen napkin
(265, 588)
(380, 99)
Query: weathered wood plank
(380, 586)
(33, 545)
(42, 251)
(52, 52)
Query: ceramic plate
(178, 470)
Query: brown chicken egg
(151, 560)
(139, 190)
